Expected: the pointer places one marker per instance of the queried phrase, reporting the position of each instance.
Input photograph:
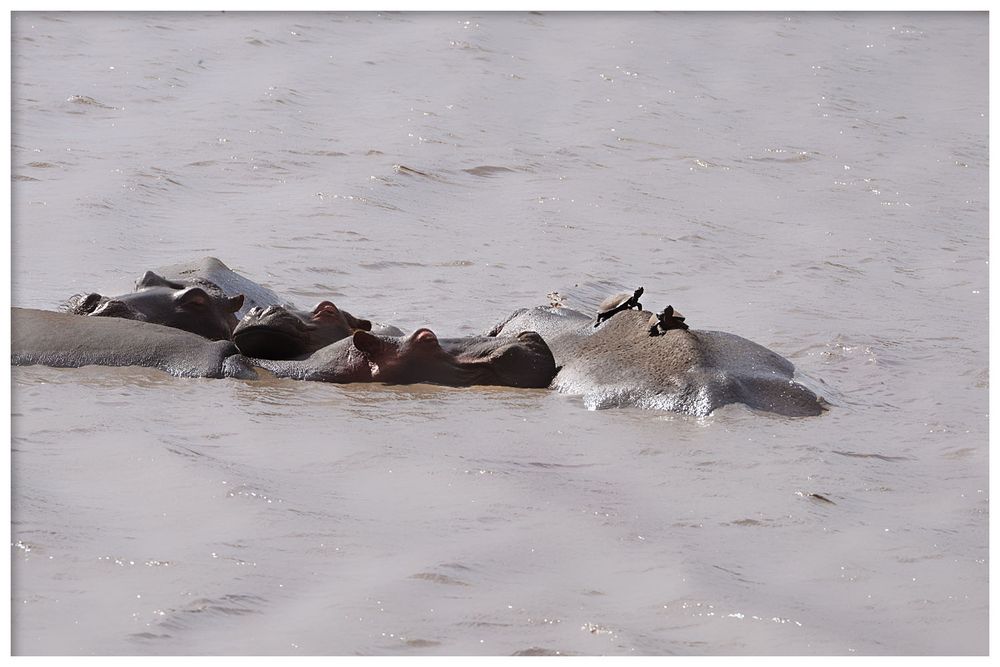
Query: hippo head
(518, 361)
(202, 309)
(277, 332)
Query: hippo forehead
(479, 347)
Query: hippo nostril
(111, 308)
(89, 303)
(424, 336)
(325, 308)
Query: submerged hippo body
(279, 332)
(515, 361)
(68, 341)
(691, 371)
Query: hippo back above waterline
(68, 341)
(620, 364)
(214, 271)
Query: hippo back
(230, 282)
(618, 364)
(65, 340)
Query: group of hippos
(201, 319)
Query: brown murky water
(817, 183)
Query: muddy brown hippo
(522, 360)
(65, 340)
(279, 332)
(683, 370)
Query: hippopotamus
(280, 332)
(685, 370)
(213, 271)
(66, 340)
(521, 360)
(203, 308)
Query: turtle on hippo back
(664, 321)
(617, 303)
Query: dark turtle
(618, 303)
(661, 323)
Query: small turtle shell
(614, 301)
(617, 303)
(663, 322)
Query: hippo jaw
(523, 361)
(277, 332)
(272, 333)
(416, 358)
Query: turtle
(617, 303)
(661, 323)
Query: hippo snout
(89, 303)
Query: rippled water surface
(816, 183)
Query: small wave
(487, 170)
(88, 101)
(390, 265)
(439, 579)
(880, 457)
(534, 650)
(225, 605)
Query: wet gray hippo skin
(523, 360)
(69, 341)
(231, 283)
(691, 371)
(203, 309)
(259, 298)
(278, 332)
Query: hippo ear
(150, 279)
(356, 323)
(193, 297)
(235, 303)
(370, 345)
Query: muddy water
(814, 182)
